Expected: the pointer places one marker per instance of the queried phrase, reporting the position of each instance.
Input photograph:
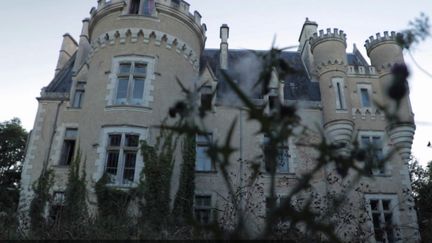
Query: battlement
(179, 5)
(372, 42)
(328, 35)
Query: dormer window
(142, 7)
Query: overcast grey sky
(31, 37)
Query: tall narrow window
(121, 159)
(383, 219)
(339, 96)
(365, 99)
(203, 209)
(131, 80)
(79, 95)
(68, 148)
(134, 7)
(203, 161)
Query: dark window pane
(132, 140)
(374, 205)
(134, 6)
(386, 204)
(114, 140)
(129, 167)
(365, 97)
(112, 162)
(67, 152)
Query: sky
(31, 37)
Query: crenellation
(329, 34)
(378, 39)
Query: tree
(12, 145)
(422, 192)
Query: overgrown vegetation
(303, 215)
(183, 204)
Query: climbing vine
(41, 189)
(75, 213)
(183, 203)
(159, 162)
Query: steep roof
(244, 68)
(62, 81)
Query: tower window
(365, 97)
(143, 7)
(338, 85)
(134, 6)
(131, 79)
(68, 148)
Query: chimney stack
(68, 48)
(224, 35)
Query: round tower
(138, 49)
(384, 53)
(330, 61)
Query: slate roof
(298, 86)
(244, 67)
(62, 81)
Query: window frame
(201, 208)
(281, 147)
(338, 84)
(382, 171)
(122, 149)
(80, 91)
(393, 209)
(368, 89)
(66, 157)
(141, 8)
(204, 142)
(131, 78)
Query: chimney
(68, 48)
(309, 28)
(224, 35)
(84, 46)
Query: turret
(330, 62)
(384, 53)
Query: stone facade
(119, 80)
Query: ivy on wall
(183, 203)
